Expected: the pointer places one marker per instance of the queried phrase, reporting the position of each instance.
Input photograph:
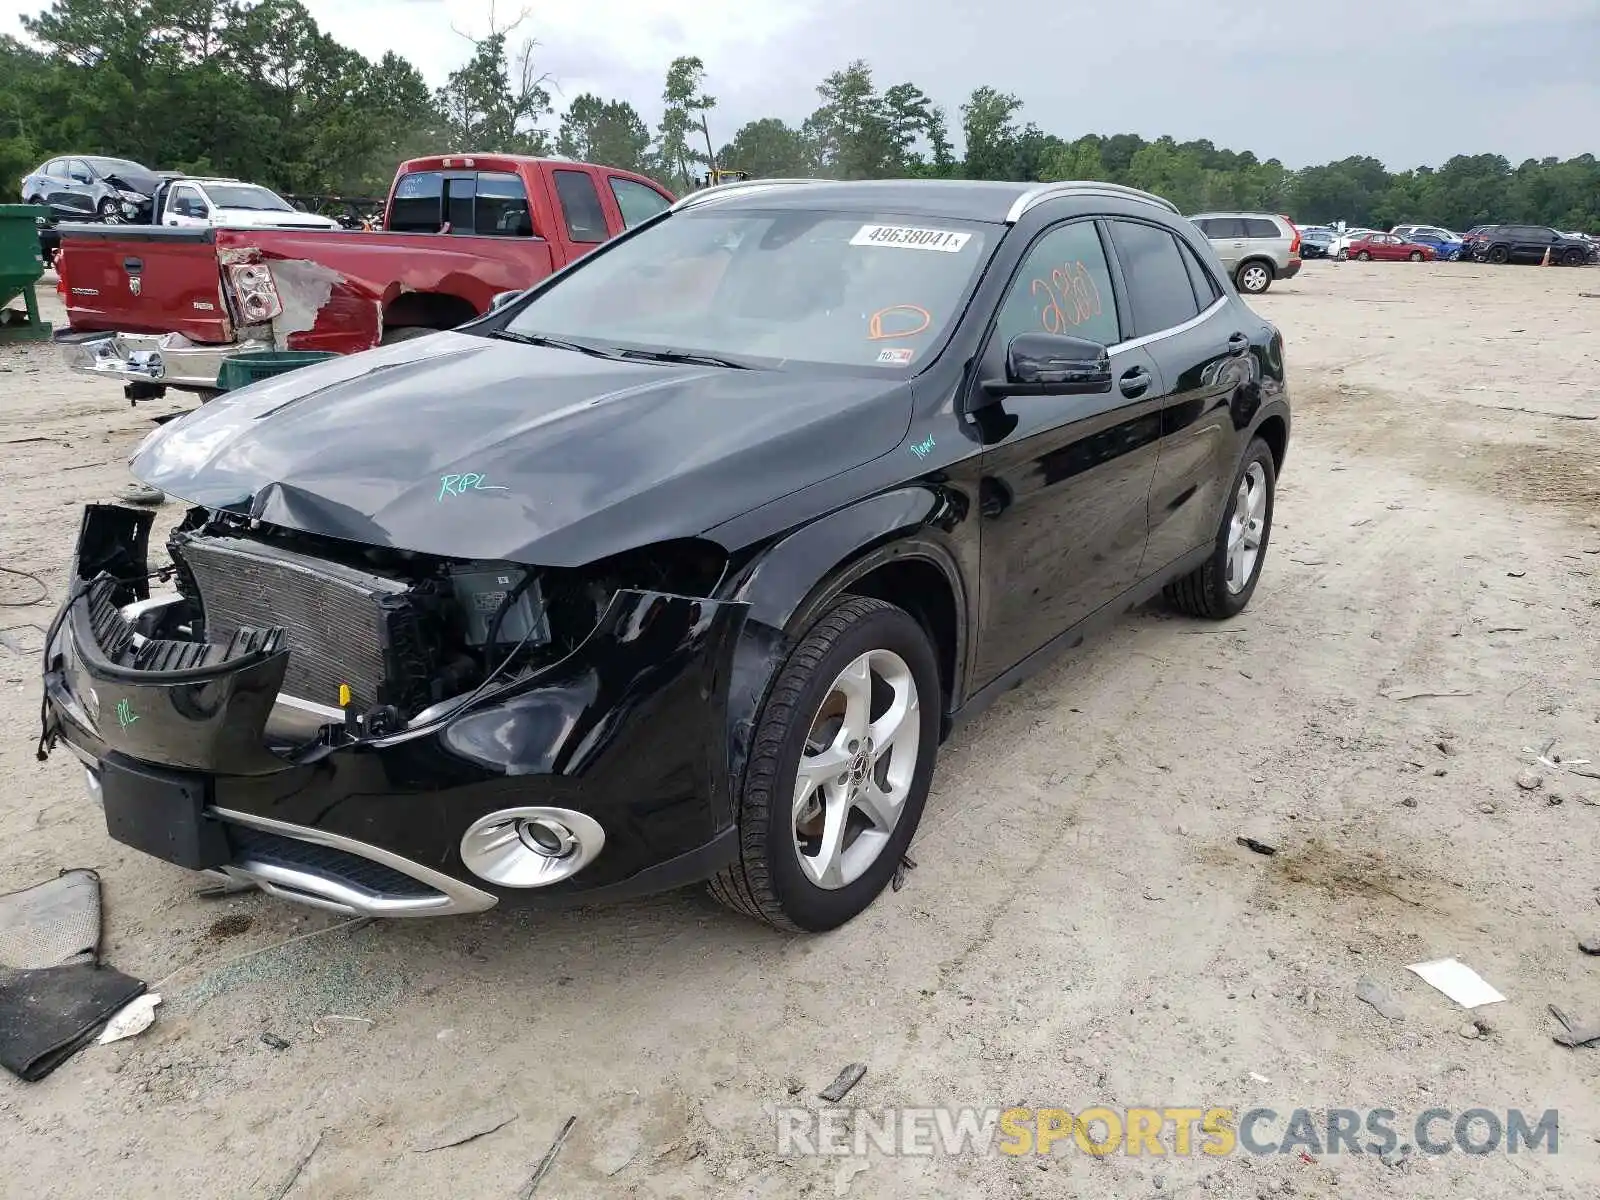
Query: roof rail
(738, 185)
(1082, 187)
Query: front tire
(1223, 585)
(1253, 278)
(839, 770)
(1576, 258)
(1416, 256)
(1498, 254)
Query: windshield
(870, 292)
(246, 195)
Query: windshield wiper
(538, 339)
(685, 356)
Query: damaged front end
(383, 732)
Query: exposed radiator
(337, 619)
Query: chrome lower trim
(305, 887)
(159, 358)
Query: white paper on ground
(132, 1018)
(1458, 981)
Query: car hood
(469, 447)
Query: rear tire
(1364, 256)
(1253, 278)
(769, 881)
(1207, 591)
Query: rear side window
(637, 202)
(502, 208)
(1063, 286)
(1206, 290)
(580, 205)
(1260, 227)
(1159, 291)
(1224, 227)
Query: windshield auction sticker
(906, 237)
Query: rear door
(583, 217)
(1181, 319)
(1066, 484)
(1226, 235)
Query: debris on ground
(1530, 781)
(840, 1087)
(293, 1177)
(547, 1162)
(1573, 1034)
(907, 863)
(1486, 806)
(134, 1018)
(1397, 1156)
(1458, 981)
(1256, 844)
(1590, 945)
(1371, 992)
(463, 1130)
(793, 1086)
(273, 1040)
(1447, 747)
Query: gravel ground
(1083, 928)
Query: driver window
(1064, 287)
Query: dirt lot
(1082, 928)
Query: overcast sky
(1410, 81)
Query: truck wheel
(838, 772)
(1223, 585)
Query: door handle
(172, 220)
(1135, 382)
(1237, 344)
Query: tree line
(258, 91)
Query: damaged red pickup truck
(161, 307)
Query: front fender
(790, 584)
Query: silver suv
(1255, 247)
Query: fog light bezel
(499, 848)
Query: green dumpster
(21, 265)
(243, 369)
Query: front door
(1064, 487)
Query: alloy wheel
(1246, 528)
(1254, 279)
(856, 769)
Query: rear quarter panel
(335, 284)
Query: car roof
(1239, 213)
(954, 199)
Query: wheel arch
(1274, 430)
(894, 547)
(428, 310)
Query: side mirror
(501, 299)
(1052, 364)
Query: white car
(1341, 244)
(1438, 231)
(230, 202)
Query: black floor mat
(47, 1015)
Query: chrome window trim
(457, 895)
(1083, 187)
(1198, 319)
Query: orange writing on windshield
(898, 321)
(1071, 298)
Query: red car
(1391, 247)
